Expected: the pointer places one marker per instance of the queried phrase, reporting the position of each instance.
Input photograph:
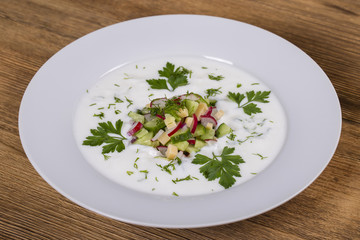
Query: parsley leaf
(224, 169)
(236, 97)
(109, 134)
(175, 77)
(157, 83)
(176, 81)
(249, 107)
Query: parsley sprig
(174, 77)
(249, 107)
(224, 169)
(109, 134)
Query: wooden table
(32, 31)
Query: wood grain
(32, 31)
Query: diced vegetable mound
(177, 126)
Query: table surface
(32, 31)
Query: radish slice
(133, 139)
(162, 149)
(175, 129)
(191, 141)
(210, 140)
(180, 155)
(214, 111)
(195, 123)
(209, 111)
(208, 119)
(161, 117)
(157, 135)
(148, 117)
(137, 127)
(190, 96)
(158, 102)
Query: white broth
(257, 138)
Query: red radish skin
(175, 129)
(195, 123)
(208, 119)
(210, 140)
(191, 141)
(136, 128)
(209, 111)
(161, 117)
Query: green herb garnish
(129, 101)
(211, 92)
(224, 169)
(188, 178)
(170, 166)
(101, 115)
(175, 194)
(231, 136)
(166, 168)
(216, 78)
(259, 155)
(253, 135)
(146, 173)
(249, 107)
(130, 173)
(174, 77)
(118, 100)
(109, 134)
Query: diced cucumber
(191, 106)
(154, 125)
(180, 131)
(137, 117)
(200, 130)
(141, 133)
(155, 144)
(145, 140)
(222, 130)
(181, 137)
(191, 149)
(181, 145)
(209, 134)
(199, 144)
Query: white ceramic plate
(309, 99)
